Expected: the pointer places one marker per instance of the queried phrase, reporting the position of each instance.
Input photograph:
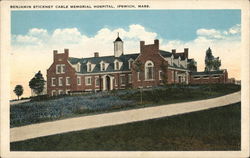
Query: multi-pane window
(149, 70)
(53, 81)
(60, 81)
(78, 80)
(102, 66)
(129, 78)
(67, 81)
(60, 68)
(122, 79)
(88, 80)
(97, 81)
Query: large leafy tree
(18, 91)
(37, 83)
(192, 66)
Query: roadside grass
(95, 103)
(217, 129)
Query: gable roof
(106, 59)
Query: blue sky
(169, 24)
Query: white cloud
(38, 44)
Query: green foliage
(216, 129)
(18, 90)
(37, 83)
(211, 62)
(192, 66)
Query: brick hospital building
(150, 67)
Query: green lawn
(214, 129)
(63, 107)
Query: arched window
(149, 70)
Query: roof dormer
(103, 65)
(90, 66)
(117, 64)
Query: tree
(37, 83)
(139, 69)
(18, 91)
(192, 65)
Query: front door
(108, 82)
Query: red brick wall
(69, 72)
(148, 52)
(221, 79)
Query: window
(129, 78)
(67, 81)
(53, 93)
(60, 92)
(89, 67)
(78, 80)
(122, 79)
(160, 74)
(117, 65)
(60, 81)
(60, 68)
(102, 66)
(68, 91)
(138, 76)
(53, 81)
(88, 81)
(97, 82)
(78, 67)
(149, 70)
(63, 68)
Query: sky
(35, 34)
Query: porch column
(187, 77)
(111, 82)
(104, 83)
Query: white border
(180, 4)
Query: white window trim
(67, 79)
(59, 92)
(129, 78)
(138, 76)
(60, 79)
(146, 63)
(122, 84)
(53, 78)
(53, 91)
(160, 76)
(105, 66)
(86, 80)
(96, 78)
(61, 68)
(79, 79)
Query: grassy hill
(63, 107)
(215, 129)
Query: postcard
(125, 78)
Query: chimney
(96, 54)
(142, 43)
(186, 52)
(55, 52)
(173, 51)
(156, 42)
(66, 52)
